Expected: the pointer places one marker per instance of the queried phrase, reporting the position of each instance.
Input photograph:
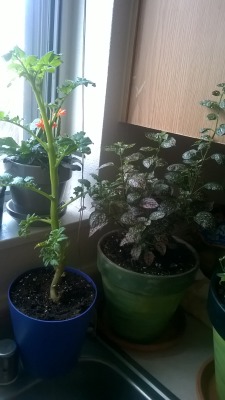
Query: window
(12, 32)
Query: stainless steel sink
(102, 373)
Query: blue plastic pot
(50, 348)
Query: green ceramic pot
(217, 316)
(139, 307)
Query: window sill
(9, 230)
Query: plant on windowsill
(144, 268)
(216, 296)
(50, 306)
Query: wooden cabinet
(179, 59)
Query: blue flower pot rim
(71, 269)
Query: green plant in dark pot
(216, 297)
(145, 269)
(51, 305)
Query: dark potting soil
(178, 258)
(30, 294)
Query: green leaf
(216, 93)
(148, 162)
(137, 181)
(97, 221)
(222, 104)
(8, 146)
(136, 252)
(219, 158)
(109, 164)
(220, 131)
(155, 215)
(176, 167)
(212, 116)
(213, 186)
(166, 144)
(190, 154)
(205, 220)
(133, 157)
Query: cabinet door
(179, 59)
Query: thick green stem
(53, 171)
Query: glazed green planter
(139, 307)
(217, 316)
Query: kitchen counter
(177, 367)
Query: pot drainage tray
(20, 216)
(206, 386)
(169, 338)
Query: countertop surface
(177, 367)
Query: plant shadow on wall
(50, 306)
(145, 268)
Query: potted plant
(50, 306)
(216, 295)
(30, 159)
(145, 269)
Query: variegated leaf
(213, 186)
(157, 215)
(137, 181)
(149, 257)
(136, 252)
(148, 202)
(97, 220)
(160, 247)
(205, 220)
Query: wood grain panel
(179, 60)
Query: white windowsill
(9, 229)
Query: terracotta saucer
(206, 385)
(168, 339)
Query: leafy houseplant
(47, 146)
(141, 265)
(148, 199)
(216, 297)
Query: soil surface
(30, 294)
(178, 258)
